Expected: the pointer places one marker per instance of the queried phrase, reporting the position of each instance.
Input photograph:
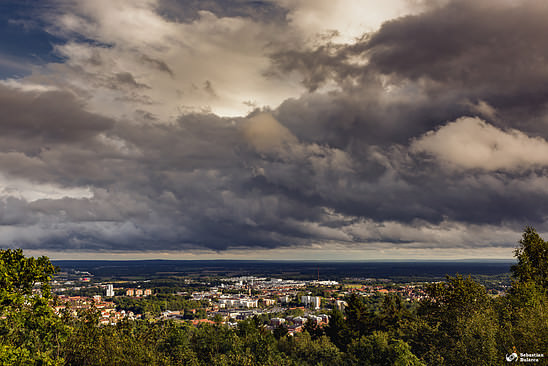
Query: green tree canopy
(532, 256)
(30, 332)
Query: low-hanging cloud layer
(189, 125)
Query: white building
(232, 302)
(313, 301)
(248, 303)
(110, 290)
(284, 299)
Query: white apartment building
(313, 301)
(110, 290)
(243, 303)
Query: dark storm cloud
(317, 66)
(412, 76)
(476, 44)
(202, 183)
(490, 50)
(37, 118)
(361, 116)
(14, 211)
(371, 160)
(155, 186)
(493, 51)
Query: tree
(359, 320)
(29, 329)
(392, 313)
(305, 351)
(532, 256)
(280, 331)
(176, 345)
(379, 350)
(218, 319)
(127, 343)
(314, 329)
(337, 329)
(523, 313)
(456, 325)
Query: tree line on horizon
(457, 323)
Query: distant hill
(285, 269)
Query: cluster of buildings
(253, 292)
(241, 297)
(408, 292)
(261, 283)
(138, 292)
(73, 305)
(132, 292)
(296, 324)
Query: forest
(457, 323)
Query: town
(286, 303)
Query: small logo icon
(512, 357)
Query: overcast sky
(281, 129)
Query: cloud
(484, 109)
(346, 20)
(34, 114)
(219, 183)
(471, 143)
(473, 50)
(266, 134)
(172, 55)
(140, 138)
(464, 50)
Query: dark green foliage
(305, 351)
(128, 343)
(456, 325)
(338, 330)
(358, 317)
(532, 255)
(314, 330)
(378, 349)
(280, 332)
(30, 333)
(393, 313)
(459, 324)
(523, 313)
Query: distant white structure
(325, 283)
(284, 299)
(322, 318)
(248, 303)
(242, 303)
(313, 301)
(110, 290)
